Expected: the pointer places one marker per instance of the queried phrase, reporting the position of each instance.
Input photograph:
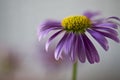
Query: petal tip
(97, 60)
(107, 48)
(56, 58)
(56, 55)
(46, 47)
(39, 37)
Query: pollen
(76, 23)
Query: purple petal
(51, 38)
(73, 53)
(59, 47)
(68, 43)
(44, 33)
(109, 25)
(91, 51)
(116, 18)
(100, 39)
(88, 53)
(81, 49)
(110, 35)
(70, 46)
(98, 21)
(90, 14)
(109, 30)
(50, 24)
(113, 17)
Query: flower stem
(74, 73)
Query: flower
(75, 43)
(9, 62)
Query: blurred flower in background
(47, 58)
(53, 68)
(9, 63)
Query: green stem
(74, 73)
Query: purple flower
(75, 42)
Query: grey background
(19, 20)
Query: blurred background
(21, 54)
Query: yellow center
(76, 23)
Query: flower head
(75, 43)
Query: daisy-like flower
(75, 43)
